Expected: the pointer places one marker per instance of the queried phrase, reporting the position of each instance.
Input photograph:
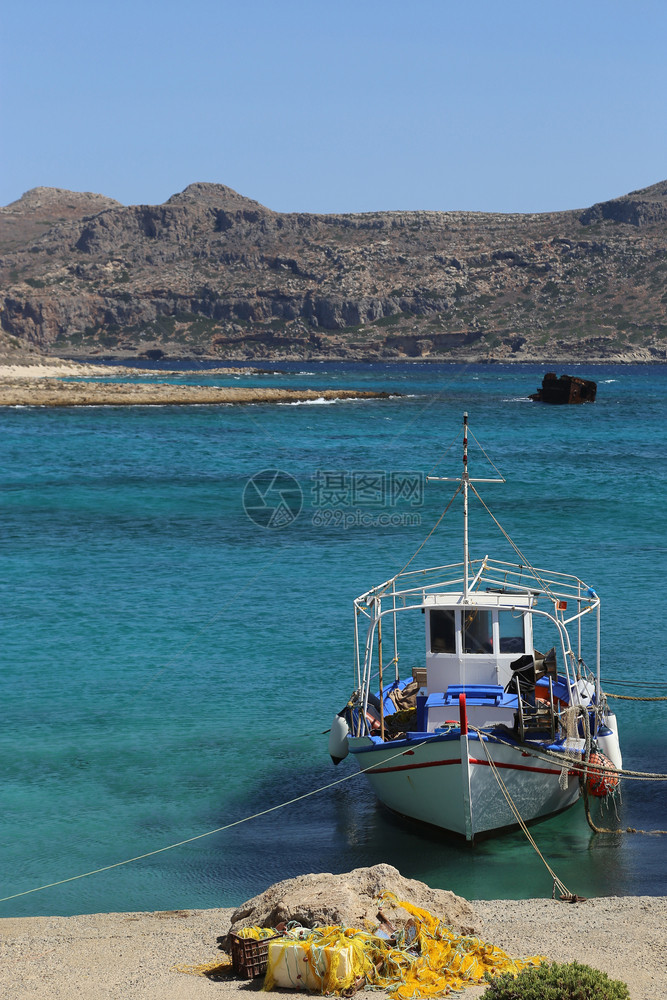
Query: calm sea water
(169, 666)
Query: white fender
(338, 747)
(610, 744)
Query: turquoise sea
(169, 665)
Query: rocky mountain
(25, 220)
(212, 273)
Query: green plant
(569, 981)
(388, 320)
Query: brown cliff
(212, 273)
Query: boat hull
(449, 783)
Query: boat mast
(464, 481)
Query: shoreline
(41, 382)
(638, 357)
(132, 955)
(246, 365)
(44, 385)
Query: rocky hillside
(211, 273)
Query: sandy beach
(132, 956)
(45, 384)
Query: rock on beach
(351, 900)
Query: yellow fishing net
(215, 969)
(427, 960)
(258, 933)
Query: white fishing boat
(484, 733)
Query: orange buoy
(600, 783)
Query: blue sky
(337, 106)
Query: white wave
(320, 401)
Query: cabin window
(443, 631)
(478, 632)
(510, 631)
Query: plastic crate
(249, 956)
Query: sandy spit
(43, 385)
(53, 392)
(131, 956)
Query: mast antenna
(465, 480)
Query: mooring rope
(632, 697)
(539, 754)
(209, 833)
(581, 770)
(602, 829)
(517, 815)
(550, 756)
(645, 685)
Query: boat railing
(523, 578)
(374, 614)
(583, 604)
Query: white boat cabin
(471, 647)
(475, 643)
